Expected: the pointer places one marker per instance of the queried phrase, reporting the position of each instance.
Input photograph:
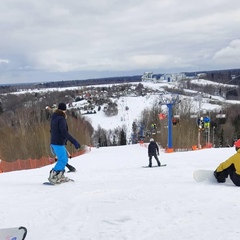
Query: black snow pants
(150, 160)
(231, 172)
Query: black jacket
(153, 149)
(59, 129)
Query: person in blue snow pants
(59, 137)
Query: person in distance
(59, 137)
(231, 167)
(153, 151)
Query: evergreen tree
(123, 139)
(236, 124)
(134, 133)
(221, 138)
(1, 109)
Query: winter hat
(237, 143)
(62, 106)
(151, 140)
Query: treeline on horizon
(220, 76)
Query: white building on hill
(171, 77)
(148, 77)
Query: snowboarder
(153, 151)
(51, 110)
(231, 167)
(59, 137)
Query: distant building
(166, 78)
(148, 77)
(173, 77)
(170, 77)
(201, 75)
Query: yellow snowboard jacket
(234, 159)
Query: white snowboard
(204, 175)
(17, 233)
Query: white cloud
(4, 61)
(230, 52)
(65, 36)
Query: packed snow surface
(113, 197)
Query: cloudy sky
(58, 40)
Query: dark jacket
(153, 149)
(59, 129)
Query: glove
(76, 144)
(220, 176)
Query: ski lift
(193, 116)
(162, 116)
(175, 119)
(200, 123)
(221, 117)
(206, 121)
(153, 128)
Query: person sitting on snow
(153, 151)
(231, 167)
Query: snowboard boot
(61, 178)
(56, 177)
(150, 163)
(52, 177)
(71, 168)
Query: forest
(25, 120)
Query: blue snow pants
(62, 157)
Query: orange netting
(32, 163)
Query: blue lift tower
(169, 100)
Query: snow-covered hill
(137, 104)
(113, 197)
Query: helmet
(237, 143)
(151, 140)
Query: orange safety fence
(142, 144)
(169, 150)
(32, 163)
(208, 145)
(194, 147)
(180, 149)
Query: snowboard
(17, 233)
(52, 184)
(71, 171)
(162, 165)
(204, 175)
